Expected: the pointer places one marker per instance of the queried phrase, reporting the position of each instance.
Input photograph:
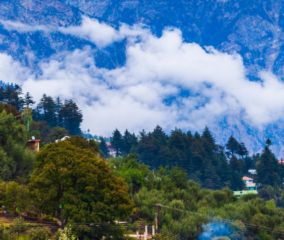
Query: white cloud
(147, 90)
(21, 27)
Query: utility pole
(158, 224)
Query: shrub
(40, 233)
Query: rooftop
(30, 141)
(247, 178)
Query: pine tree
(2, 94)
(237, 165)
(210, 177)
(206, 135)
(267, 167)
(72, 117)
(232, 145)
(126, 142)
(148, 150)
(210, 146)
(58, 110)
(176, 140)
(142, 133)
(29, 100)
(242, 151)
(116, 142)
(224, 170)
(134, 143)
(48, 111)
(103, 147)
(160, 135)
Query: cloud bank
(164, 81)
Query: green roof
(237, 193)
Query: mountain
(252, 28)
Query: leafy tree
(42, 128)
(14, 197)
(78, 184)
(57, 133)
(116, 142)
(10, 109)
(179, 177)
(15, 159)
(84, 143)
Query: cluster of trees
(211, 165)
(247, 218)
(54, 112)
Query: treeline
(54, 112)
(211, 165)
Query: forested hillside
(189, 174)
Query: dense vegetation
(207, 163)
(49, 111)
(71, 182)
(246, 217)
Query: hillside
(251, 28)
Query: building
(252, 171)
(251, 187)
(62, 139)
(34, 145)
(111, 150)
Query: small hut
(34, 145)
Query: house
(34, 145)
(111, 150)
(251, 187)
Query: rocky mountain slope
(252, 28)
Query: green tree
(72, 117)
(126, 142)
(232, 145)
(103, 147)
(29, 100)
(160, 135)
(242, 151)
(116, 142)
(42, 128)
(57, 133)
(15, 158)
(18, 226)
(267, 168)
(79, 185)
(48, 109)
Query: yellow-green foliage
(79, 183)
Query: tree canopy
(79, 183)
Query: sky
(165, 81)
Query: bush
(18, 226)
(40, 233)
